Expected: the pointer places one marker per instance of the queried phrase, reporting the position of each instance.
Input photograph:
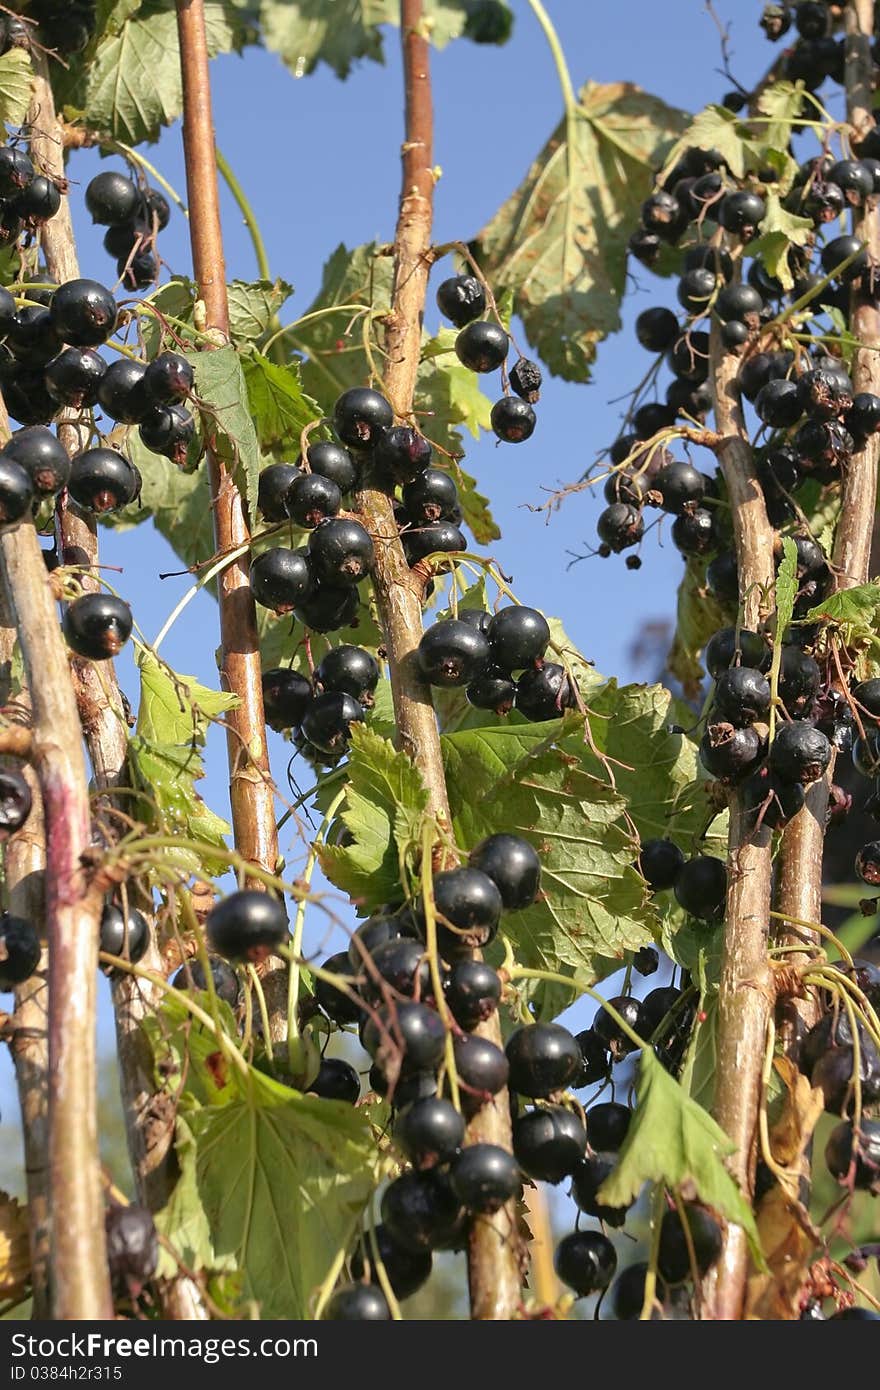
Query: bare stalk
(745, 991)
(251, 791)
(493, 1255)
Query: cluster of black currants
(483, 652)
(816, 55)
(133, 217)
(27, 198)
(482, 346)
(66, 26)
(321, 711)
(828, 1057)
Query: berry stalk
(745, 990)
(80, 1288)
(493, 1263)
(250, 786)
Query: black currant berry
(430, 1131)
(400, 966)
(16, 170)
(734, 646)
(742, 696)
(192, 976)
(868, 863)
(588, 1176)
(414, 1029)
(855, 1156)
(83, 313)
(333, 462)
(518, 637)
(657, 329)
(680, 485)
(646, 960)
(607, 1125)
(623, 486)
(543, 1058)
(125, 934)
(169, 379)
(800, 752)
(472, 990)
(437, 537)
(101, 480)
(42, 456)
(525, 379)
(138, 271)
(325, 608)
(132, 1248)
(661, 213)
(493, 690)
(32, 337)
(97, 626)
(431, 496)
(609, 1031)
(406, 1270)
(452, 653)
(837, 252)
(628, 1294)
(586, 1261)
(461, 299)
(645, 246)
(421, 1212)
(545, 693)
(328, 719)
(548, 1142)
(74, 376)
(336, 1080)
(779, 404)
(693, 533)
(652, 417)
(468, 907)
(768, 800)
(19, 951)
(513, 420)
(739, 303)
(112, 198)
(168, 430)
(38, 202)
(247, 926)
(706, 1237)
(121, 392)
(660, 862)
(350, 670)
(513, 866)
(594, 1059)
(281, 578)
(484, 1177)
(360, 417)
(357, 1303)
(286, 697)
(482, 346)
(312, 499)
(701, 888)
(15, 801)
(375, 932)
(695, 290)
(403, 452)
(656, 1004)
(335, 1003)
(741, 212)
(340, 552)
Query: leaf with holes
(560, 241)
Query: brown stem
(493, 1255)
(24, 863)
(745, 990)
(80, 1287)
(250, 789)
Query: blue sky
(319, 161)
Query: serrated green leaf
(780, 230)
(782, 103)
(560, 241)
(174, 708)
(672, 1140)
(385, 800)
(280, 1179)
(451, 396)
(333, 342)
(166, 775)
(226, 415)
(279, 407)
(786, 590)
(857, 606)
(716, 128)
(16, 85)
(252, 306)
(127, 83)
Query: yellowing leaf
(16, 84)
(15, 1255)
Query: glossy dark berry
(734, 334)
(360, 416)
(854, 179)
(350, 670)
(325, 608)
(609, 1031)
(518, 637)
(169, 378)
(484, 1177)
(31, 336)
(513, 420)
(834, 1075)
(779, 404)
(799, 680)
(120, 241)
(406, 1270)
(429, 1132)
(866, 754)
(15, 801)
(333, 462)
(525, 379)
(544, 694)
(482, 1068)
(168, 430)
(856, 1315)
(247, 926)
(421, 1212)
(461, 299)
(138, 271)
(38, 202)
(620, 526)
(328, 719)
(855, 1157)
(102, 480)
(588, 1176)
(273, 498)
(760, 368)
(701, 888)
(844, 249)
(741, 303)
(83, 313)
(335, 1003)
(693, 533)
(680, 485)
(867, 863)
(19, 951)
(689, 398)
(312, 499)
(741, 212)
(403, 452)
(822, 394)
(645, 246)
(437, 537)
(286, 696)
(548, 1142)
(628, 1294)
(482, 346)
(74, 376)
(661, 213)
(357, 1303)
(800, 752)
(696, 288)
(281, 578)
(97, 626)
(493, 690)
(42, 456)
(125, 934)
(594, 1059)
(468, 906)
(657, 329)
(340, 551)
(742, 696)
(622, 486)
(656, 1004)
(543, 1058)
(112, 198)
(586, 1261)
(121, 392)
(659, 863)
(472, 990)
(706, 1236)
(705, 254)
(651, 418)
(16, 170)
(607, 1126)
(431, 496)
(513, 866)
(414, 1028)
(192, 976)
(452, 653)
(336, 1080)
(732, 646)
(132, 1248)
(397, 967)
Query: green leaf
(277, 403)
(225, 410)
(275, 1181)
(127, 82)
(182, 1221)
(672, 1140)
(253, 305)
(16, 84)
(716, 128)
(782, 103)
(699, 615)
(175, 708)
(385, 800)
(786, 588)
(780, 230)
(475, 509)
(333, 342)
(166, 774)
(307, 32)
(450, 394)
(857, 606)
(560, 241)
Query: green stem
(552, 38)
(293, 972)
(247, 213)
